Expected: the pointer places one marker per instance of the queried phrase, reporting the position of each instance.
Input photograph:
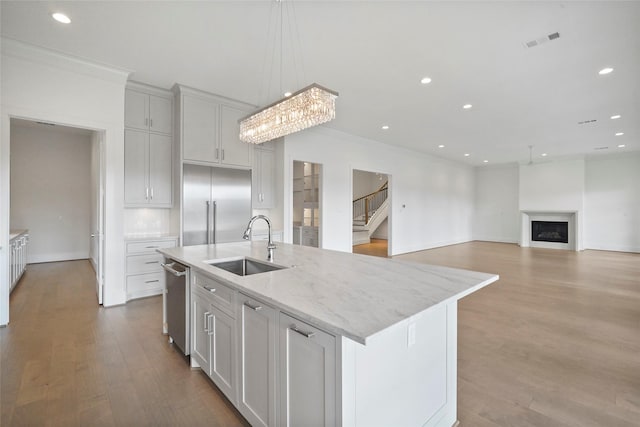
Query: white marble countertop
(352, 295)
(15, 233)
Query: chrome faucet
(270, 245)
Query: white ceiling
(375, 53)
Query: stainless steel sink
(245, 266)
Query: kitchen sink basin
(245, 266)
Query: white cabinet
(147, 169)
(144, 274)
(18, 257)
(307, 375)
(264, 180)
(148, 145)
(214, 332)
(148, 112)
(257, 340)
(209, 129)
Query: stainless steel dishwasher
(178, 302)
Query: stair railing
(365, 206)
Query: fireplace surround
(550, 229)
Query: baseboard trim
(56, 257)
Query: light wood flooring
(377, 247)
(555, 342)
(65, 361)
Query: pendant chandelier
(308, 107)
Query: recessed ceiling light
(440, 146)
(287, 94)
(425, 80)
(385, 127)
(619, 133)
(485, 161)
(467, 106)
(544, 154)
(621, 146)
(467, 154)
(617, 116)
(61, 17)
(605, 71)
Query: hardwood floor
(65, 361)
(377, 247)
(555, 342)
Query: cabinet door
(160, 171)
(267, 179)
(199, 130)
(160, 114)
(257, 356)
(136, 107)
(136, 147)
(201, 321)
(307, 375)
(223, 374)
(233, 151)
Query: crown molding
(37, 54)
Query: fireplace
(550, 231)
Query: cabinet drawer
(149, 246)
(222, 297)
(141, 285)
(137, 264)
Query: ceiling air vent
(543, 39)
(584, 122)
(45, 123)
(601, 148)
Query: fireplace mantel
(572, 217)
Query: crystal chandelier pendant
(308, 107)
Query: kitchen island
(330, 338)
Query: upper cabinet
(148, 146)
(148, 112)
(209, 129)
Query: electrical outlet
(411, 335)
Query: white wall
(51, 192)
(552, 186)
(41, 85)
(431, 198)
(612, 202)
(497, 215)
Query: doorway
(306, 198)
(370, 213)
(57, 193)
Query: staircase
(368, 213)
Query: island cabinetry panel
(214, 333)
(258, 336)
(307, 375)
(144, 274)
(209, 129)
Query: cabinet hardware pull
(217, 151)
(206, 321)
(152, 247)
(223, 154)
(151, 193)
(146, 122)
(253, 307)
(146, 193)
(211, 327)
(151, 281)
(210, 289)
(152, 262)
(303, 333)
(150, 122)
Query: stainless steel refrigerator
(216, 204)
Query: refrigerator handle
(208, 223)
(215, 212)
